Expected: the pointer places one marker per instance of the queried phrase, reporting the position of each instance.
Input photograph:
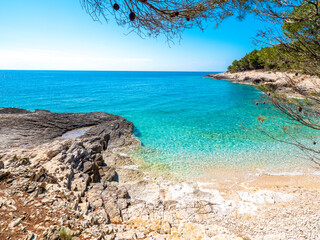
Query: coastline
(90, 187)
(278, 80)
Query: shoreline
(278, 80)
(89, 187)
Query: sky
(60, 35)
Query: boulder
(108, 174)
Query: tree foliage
(253, 61)
(296, 48)
(274, 58)
(302, 35)
(168, 18)
(299, 40)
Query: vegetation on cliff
(297, 48)
(268, 58)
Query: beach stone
(129, 235)
(108, 174)
(281, 236)
(80, 182)
(113, 211)
(87, 166)
(122, 193)
(191, 231)
(213, 230)
(16, 222)
(99, 159)
(110, 237)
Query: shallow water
(185, 122)
(75, 133)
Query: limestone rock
(19, 127)
(16, 222)
(278, 80)
(1, 165)
(113, 211)
(108, 174)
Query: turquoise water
(184, 121)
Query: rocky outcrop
(281, 81)
(21, 127)
(88, 187)
(69, 175)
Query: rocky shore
(88, 187)
(280, 81)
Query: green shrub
(266, 88)
(64, 235)
(268, 58)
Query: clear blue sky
(59, 34)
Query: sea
(186, 123)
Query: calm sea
(185, 122)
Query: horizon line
(84, 70)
